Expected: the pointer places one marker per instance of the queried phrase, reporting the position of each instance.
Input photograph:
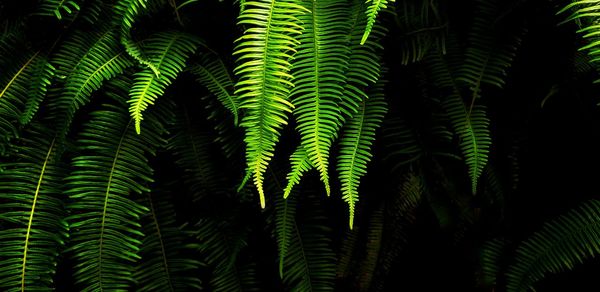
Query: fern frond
(169, 52)
(310, 262)
(375, 6)
(214, 75)
(111, 167)
(421, 29)
(300, 163)
(86, 61)
(558, 246)
(126, 13)
(374, 243)
(285, 221)
(31, 214)
(164, 264)
(355, 146)
(22, 88)
(491, 258)
(263, 53)
(401, 142)
(488, 55)
(318, 70)
(364, 65)
(472, 128)
(220, 243)
(58, 8)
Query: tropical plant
(296, 145)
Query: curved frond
(111, 167)
(355, 145)
(23, 85)
(263, 54)
(164, 264)
(169, 52)
(375, 6)
(58, 8)
(558, 246)
(214, 75)
(318, 68)
(300, 163)
(85, 61)
(31, 214)
(472, 128)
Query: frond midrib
(31, 214)
(14, 78)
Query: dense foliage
(302, 145)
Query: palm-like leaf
(558, 246)
(355, 145)
(31, 214)
(112, 165)
(318, 69)
(86, 61)
(213, 74)
(164, 265)
(375, 6)
(169, 52)
(264, 53)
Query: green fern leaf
(285, 221)
(355, 146)
(364, 65)
(214, 75)
(559, 245)
(372, 12)
(373, 250)
(58, 8)
(491, 258)
(22, 87)
(318, 68)
(472, 128)
(31, 214)
(264, 52)
(112, 165)
(86, 61)
(169, 51)
(164, 265)
(300, 164)
(310, 262)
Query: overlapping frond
(489, 53)
(368, 265)
(164, 264)
(220, 243)
(586, 14)
(23, 85)
(491, 260)
(469, 123)
(318, 68)
(558, 246)
(364, 64)
(110, 168)
(421, 29)
(264, 80)
(355, 145)
(168, 51)
(310, 262)
(31, 214)
(300, 163)
(58, 8)
(472, 128)
(212, 73)
(372, 11)
(85, 61)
